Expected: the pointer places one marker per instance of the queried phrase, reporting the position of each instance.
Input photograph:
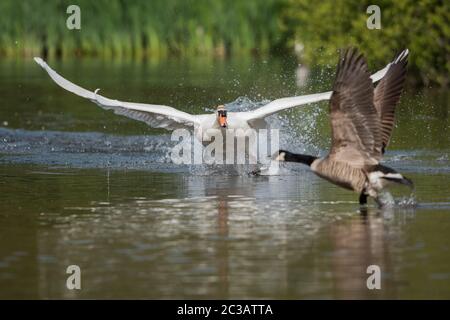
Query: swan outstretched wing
(157, 116)
(286, 103)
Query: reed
(134, 29)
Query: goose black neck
(295, 157)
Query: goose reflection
(362, 241)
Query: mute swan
(160, 116)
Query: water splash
(407, 201)
(299, 132)
(98, 150)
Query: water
(79, 185)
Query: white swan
(160, 116)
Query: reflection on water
(139, 234)
(81, 186)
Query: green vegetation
(160, 28)
(422, 26)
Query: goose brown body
(340, 173)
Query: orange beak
(223, 121)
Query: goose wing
(157, 116)
(354, 119)
(290, 102)
(387, 94)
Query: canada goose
(160, 116)
(362, 120)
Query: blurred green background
(81, 185)
(157, 29)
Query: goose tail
(400, 179)
(380, 173)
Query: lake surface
(82, 186)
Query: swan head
(222, 116)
